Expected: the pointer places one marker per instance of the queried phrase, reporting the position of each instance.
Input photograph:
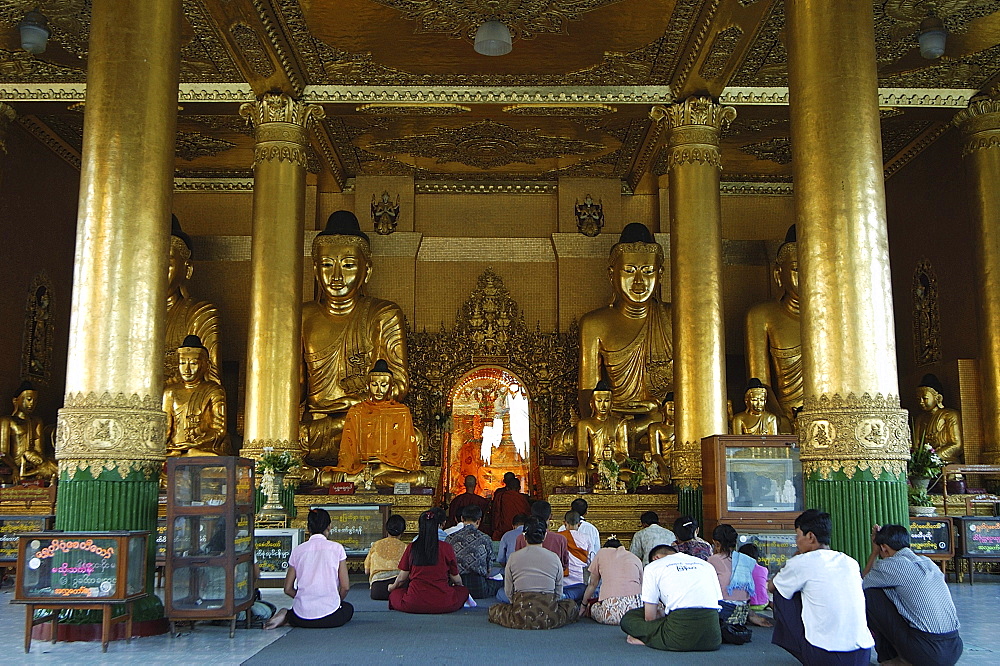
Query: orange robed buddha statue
(195, 406)
(936, 424)
(379, 434)
(630, 341)
(186, 315)
(756, 420)
(22, 442)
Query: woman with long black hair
(428, 580)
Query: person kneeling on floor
(688, 588)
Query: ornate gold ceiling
(405, 93)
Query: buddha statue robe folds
(22, 442)
(936, 424)
(186, 315)
(755, 420)
(195, 406)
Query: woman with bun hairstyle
(428, 580)
(316, 580)
(688, 542)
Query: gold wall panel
(498, 215)
(213, 213)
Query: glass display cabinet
(209, 554)
(751, 482)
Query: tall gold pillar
(854, 436)
(111, 431)
(693, 166)
(274, 349)
(980, 127)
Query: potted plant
(920, 502)
(273, 468)
(925, 464)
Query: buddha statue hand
(387, 475)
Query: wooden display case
(753, 483)
(209, 556)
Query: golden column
(274, 349)
(854, 437)
(111, 431)
(980, 127)
(693, 166)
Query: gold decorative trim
(757, 189)
(896, 97)
(693, 50)
(39, 331)
(391, 109)
(914, 148)
(568, 110)
(480, 187)
(926, 315)
(488, 95)
(695, 111)
(282, 49)
(110, 430)
(77, 92)
(52, 141)
(685, 464)
(213, 184)
(294, 154)
(280, 108)
(7, 115)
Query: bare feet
(280, 618)
(759, 620)
(632, 640)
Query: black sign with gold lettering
(980, 537)
(11, 526)
(931, 536)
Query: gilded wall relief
(926, 315)
(39, 332)
(192, 145)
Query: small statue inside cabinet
(936, 424)
(755, 420)
(787, 493)
(195, 406)
(22, 441)
(601, 431)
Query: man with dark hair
(819, 608)
(554, 541)
(507, 503)
(508, 541)
(688, 589)
(473, 552)
(579, 556)
(593, 536)
(910, 610)
(650, 535)
(464, 500)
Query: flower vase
(272, 484)
(922, 511)
(920, 485)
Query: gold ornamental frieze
(685, 462)
(383, 109)
(254, 448)
(280, 108)
(695, 110)
(852, 434)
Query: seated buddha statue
(379, 443)
(661, 437)
(22, 441)
(344, 331)
(195, 406)
(755, 420)
(774, 338)
(186, 315)
(630, 341)
(601, 430)
(936, 424)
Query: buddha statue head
(930, 393)
(379, 381)
(192, 360)
(668, 408)
(635, 265)
(179, 268)
(341, 256)
(755, 397)
(600, 402)
(25, 399)
(786, 266)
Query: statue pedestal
(618, 514)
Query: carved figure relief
(926, 315)
(39, 330)
(384, 213)
(589, 216)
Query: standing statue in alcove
(185, 314)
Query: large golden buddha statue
(379, 434)
(630, 341)
(601, 430)
(936, 424)
(22, 441)
(755, 420)
(195, 406)
(774, 338)
(343, 333)
(186, 315)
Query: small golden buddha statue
(186, 315)
(22, 441)
(601, 431)
(608, 479)
(653, 472)
(379, 443)
(755, 420)
(630, 342)
(774, 338)
(343, 333)
(937, 425)
(195, 406)
(661, 437)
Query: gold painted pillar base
(980, 127)
(274, 348)
(693, 167)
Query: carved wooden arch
(490, 330)
(926, 315)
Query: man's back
(917, 588)
(473, 550)
(681, 581)
(648, 538)
(554, 542)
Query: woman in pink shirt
(316, 580)
(619, 573)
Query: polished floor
(207, 644)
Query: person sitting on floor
(688, 541)
(316, 580)
(533, 582)
(819, 608)
(619, 574)
(593, 536)
(473, 551)
(428, 580)
(507, 503)
(651, 534)
(910, 610)
(508, 541)
(688, 590)
(579, 556)
(554, 541)
(382, 561)
(735, 571)
(759, 599)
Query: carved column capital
(853, 434)
(280, 123)
(693, 129)
(980, 124)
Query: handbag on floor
(733, 622)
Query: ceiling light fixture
(35, 32)
(493, 39)
(932, 37)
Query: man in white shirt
(689, 590)
(819, 607)
(593, 536)
(579, 556)
(649, 536)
